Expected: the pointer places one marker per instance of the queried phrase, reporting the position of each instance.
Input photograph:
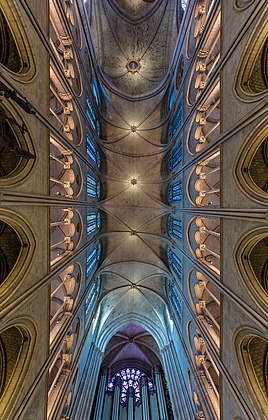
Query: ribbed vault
(134, 119)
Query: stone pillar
(101, 393)
(130, 403)
(116, 400)
(144, 398)
(160, 394)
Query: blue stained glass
(175, 300)
(176, 122)
(92, 152)
(175, 157)
(130, 377)
(93, 187)
(92, 116)
(175, 192)
(96, 92)
(93, 222)
(175, 227)
(91, 297)
(171, 98)
(175, 263)
(92, 259)
(184, 4)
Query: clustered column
(160, 394)
(116, 401)
(130, 408)
(101, 393)
(144, 398)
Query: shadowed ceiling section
(131, 346)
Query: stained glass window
(93, 187)
(175, 192)
(175, 300)
(130, 377)
(175, 263)
(175, 157)
(93, 222)
(171, 98)
(184, 4)
(96, 91)
(175, 227)
(92, 152)
(176, 122)
(92, 259)
(91, 297)
(93, 118)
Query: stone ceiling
(133, 140)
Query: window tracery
(65, 173)
(204, 182)
(205, 125)
(91, 297)
(93, 152)
(65, 232)
(64, 291)
(93, 222)
(208, 56)
(175, 301)
(175, 157)
(176, 122)
(175, 227)
(95, 91)
(175, 192)
(93, 259)
(131, 377)
(92, 117)
(63, 111)
(171, 98)
(175, 263)
(93, 187)
(64, 50)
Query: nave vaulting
(133, 209)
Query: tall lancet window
(93, 259)
(184, 4)
(175, 157)
(130, 377)
(175, 123)
(175, 264)
(92, 117)
(171, 98)
(93, 187)
(175, 192)
(93, 152)
(95, 90)
(92, 296)
(175, 301)
(175, 227)
(93, 222)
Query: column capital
(144, 381)
(157, 369)
(131, 391)
(117, 381)
(200, 415)
(104, 370)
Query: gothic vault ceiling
(134, 121)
